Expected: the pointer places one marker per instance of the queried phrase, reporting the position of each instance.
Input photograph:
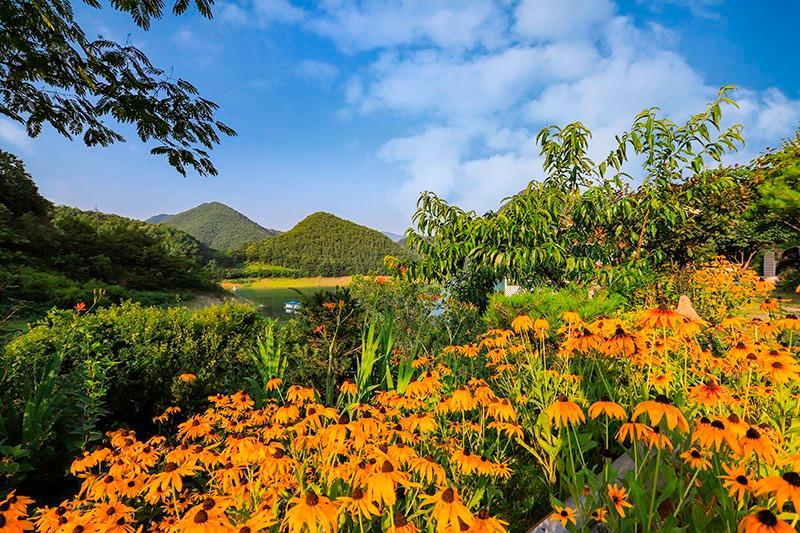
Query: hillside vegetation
(53, 255)
(216, 225)
(325, 245)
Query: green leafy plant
(269, 361)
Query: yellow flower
(564, 412)
(563, 515)
(311, 511)
(522, 323)
(448, 511)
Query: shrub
(151, 347)
(550, 304)
(422, 319)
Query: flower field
(707, 411)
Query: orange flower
(662, 408)
(608, 408)
(563, 515)
(564, 412)
(784, 487)
(662, 317)
(619, 498)
(187, 377)
(764, 521)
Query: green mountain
(157, 219)
(216, 225)
(325, 245)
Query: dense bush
(117, 365)
(550, 304)
(422, 320)
(150, 348)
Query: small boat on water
(291, 307)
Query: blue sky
(356, 107)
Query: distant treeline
(53, 255)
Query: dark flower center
(483, 514)
(752, 433)
(387, 467)
(358, 494)
(717, 424)
(741, 480)
(169, 467)
(448, 496)
(312, 498)
(201, 517)
(563, 398)
(792, 478)
(765, 517)
(244, 529)
(209, 504)
(734, 419)
(663, 399)
(696, 454)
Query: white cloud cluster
(367, 24)
(479, 78)
(485, 81)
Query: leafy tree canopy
(51, 73)
(586, 220)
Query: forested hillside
(216, 225)
(53, 255)
(325, 245)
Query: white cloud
(369, 24)
(15, 136)
(767, 116)
(260, 12)
(201, 51)
(563, 19)
(319, 71)
(455, 86)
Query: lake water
(273, 298)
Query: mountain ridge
(216, 225)
(326, 245)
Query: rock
(686, 309)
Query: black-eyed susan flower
(600, 515)
(564, 412)
(448, 512)
(564, 515)
(662, 408)
(764, 521)
(696, 459)
(661, 317)
(737, 482)
(311, 511)
(358, 506)
(619, 498)
(483, 522)
(607, 408)
(522, 323)
(756, 442)
(785, 487)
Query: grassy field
(272, 293)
